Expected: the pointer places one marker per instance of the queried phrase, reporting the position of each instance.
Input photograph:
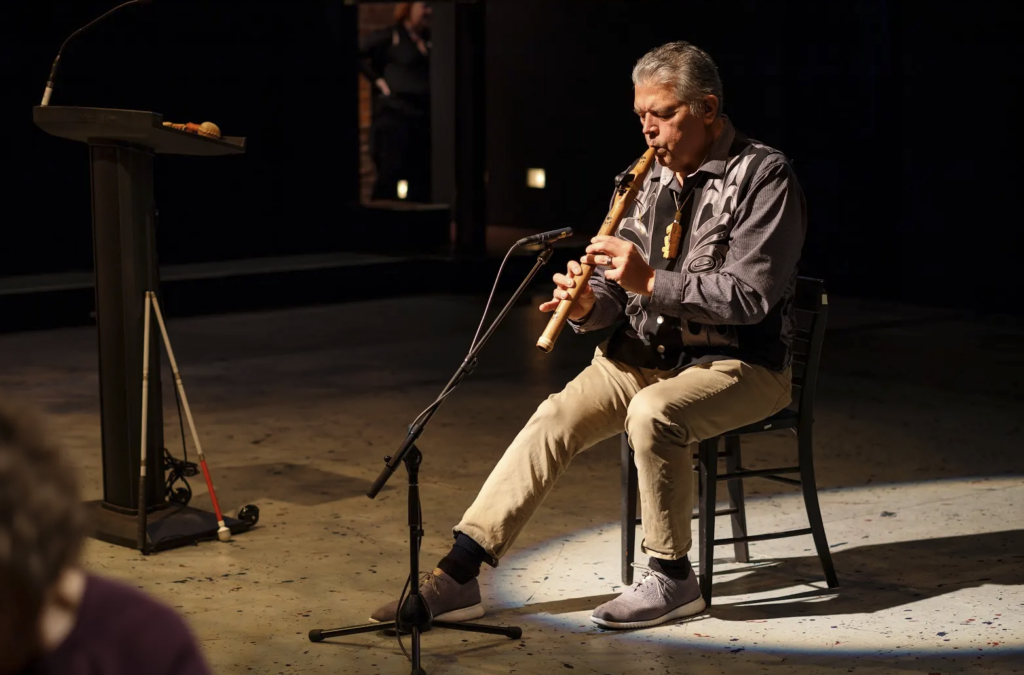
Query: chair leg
(810, 490)
(733, 462)
(708, 486)
(629, 491)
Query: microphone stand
(414, 615)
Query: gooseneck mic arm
(53, 69)
(467, 366)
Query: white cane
(141, 536)
(223, 533)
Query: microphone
(545, 237)
(53, 70)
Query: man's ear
(710, 109)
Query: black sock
(673, 569)
(463, 562)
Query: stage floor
(918, 448)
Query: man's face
(669, 126)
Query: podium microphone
(56, 61)
(545, 237)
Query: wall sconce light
(535, 178)
(403, 189)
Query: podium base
(166, 528)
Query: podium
(123, 145)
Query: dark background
(274, 72)
(897, 116)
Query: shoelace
(648, 573)
(429, 579)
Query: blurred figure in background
(396, 61)
(55, 618)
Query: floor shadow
(566, 606)
(875, 577)
(285, 482)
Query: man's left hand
(628, 267)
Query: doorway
(394, 103)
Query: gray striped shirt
(729, 291)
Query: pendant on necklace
(672, 238)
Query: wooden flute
(625, 193)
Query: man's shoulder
(745, 149)
(751, 162)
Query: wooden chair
(811, 307)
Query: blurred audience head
(41, 531)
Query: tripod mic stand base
(414, 619)
(319, 635)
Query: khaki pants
(664, 412)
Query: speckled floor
(920, 457)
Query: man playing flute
(702, 271)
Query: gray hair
(686, 68)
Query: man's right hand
(383, 86)
(563, 282)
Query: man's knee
(551, 410)
(561, 423)
(648, 422)
(552, 421)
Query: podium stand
(123, 145)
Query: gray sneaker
(447, 599)
(654, 599)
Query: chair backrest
(811, 308)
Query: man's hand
(584, 301)
(629, 269)
(383, 86)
